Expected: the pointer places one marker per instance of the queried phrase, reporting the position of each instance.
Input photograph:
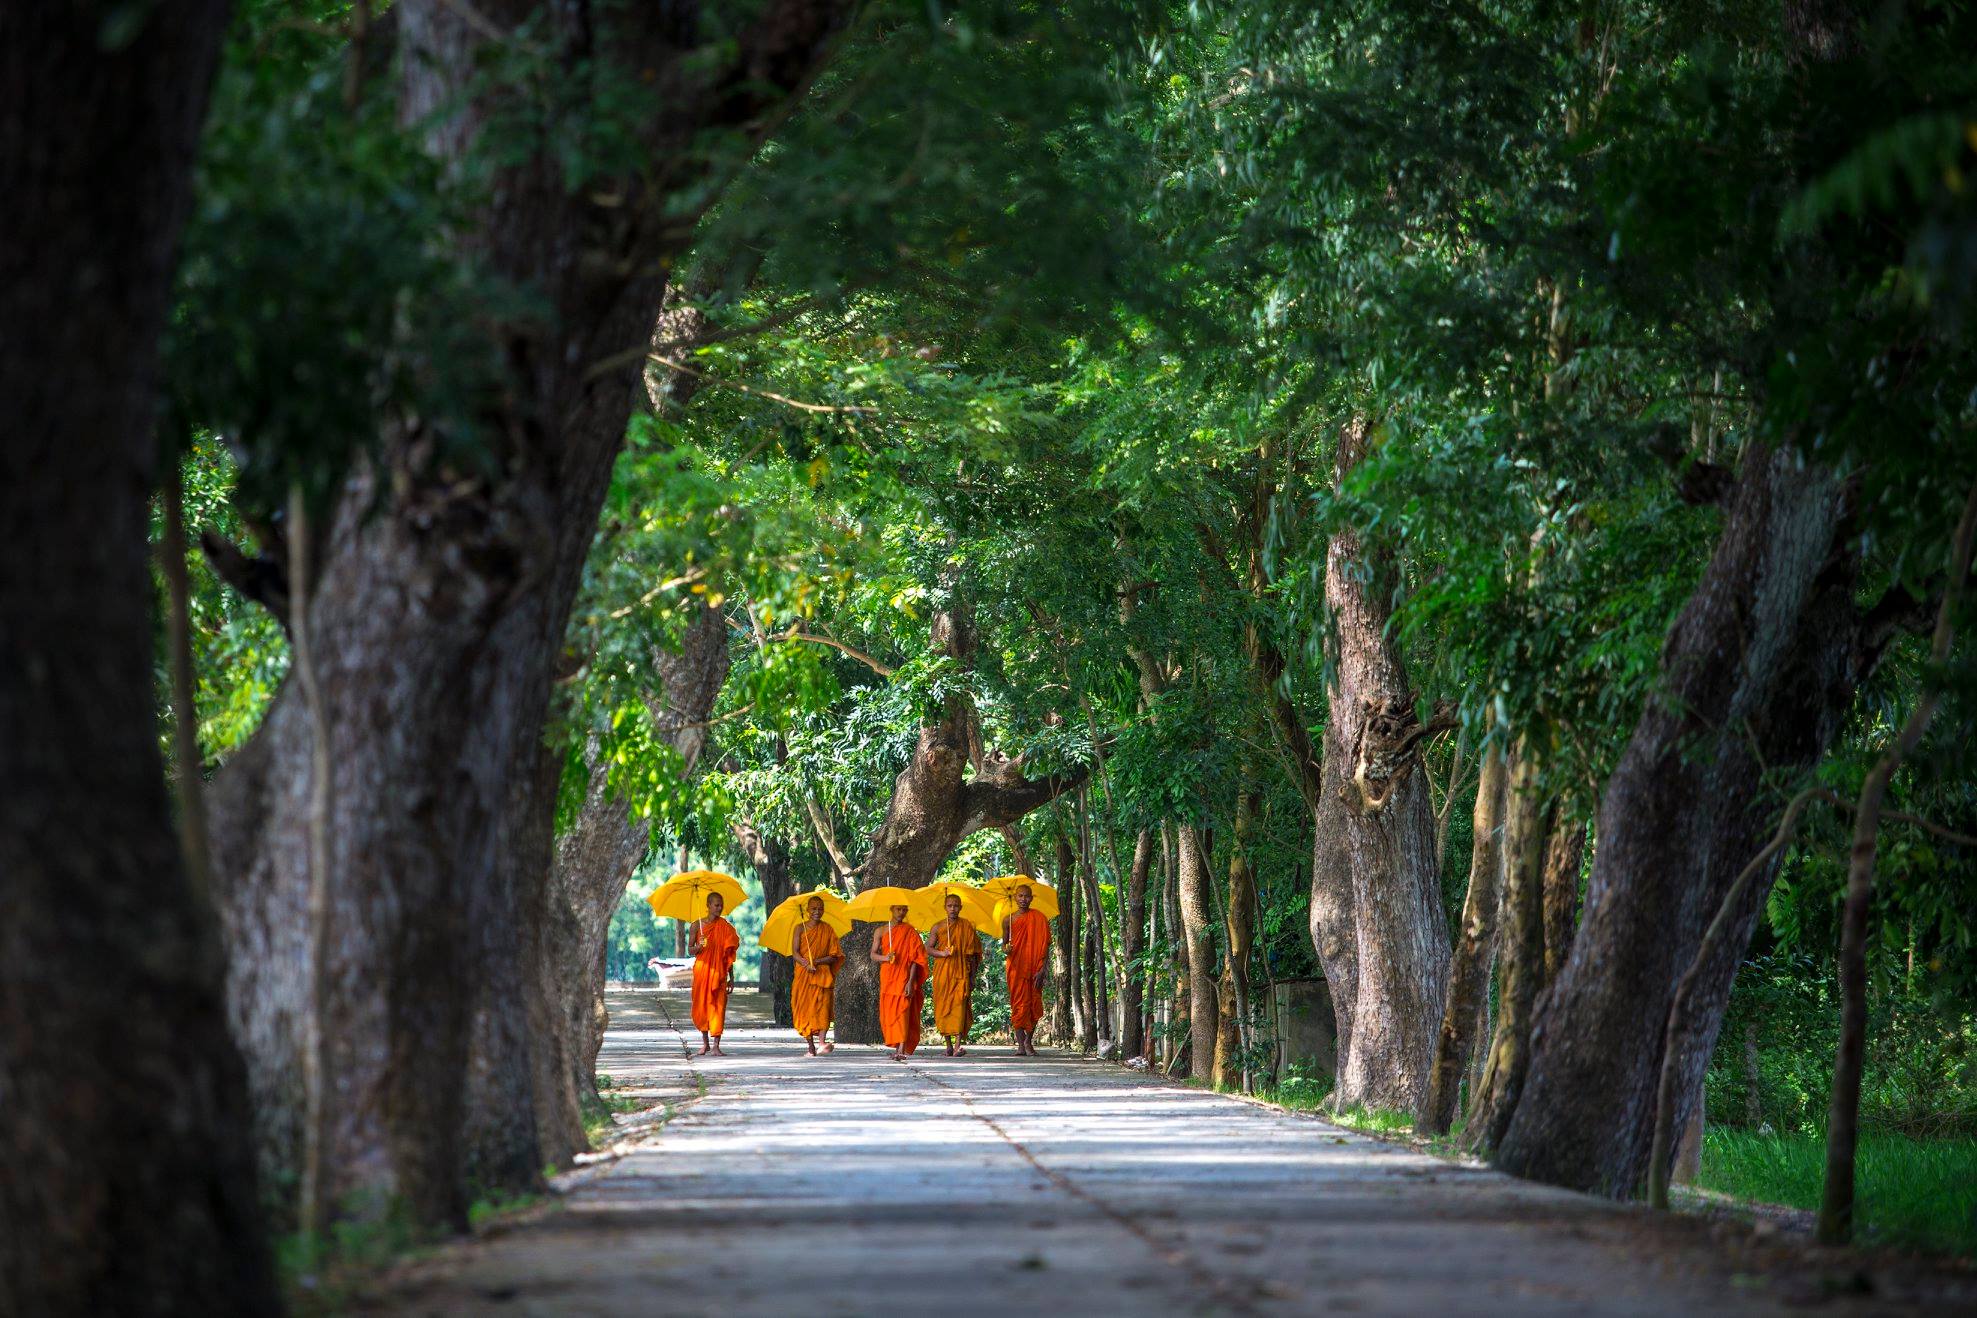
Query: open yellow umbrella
(1043, 897)
(930, 904)
(874, 906)
(779, 930)
(684, 896)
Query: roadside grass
(324, 1274)
(600, 1124)
(1914, 1192)
(1303, 1093)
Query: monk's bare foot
(950, 1050)
(718, 1052)
(812, 1052)
(959, 1051)
(830, 1047)
(702, 1052)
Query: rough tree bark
(1374, 855)
(1179, 995)
(128, 1185)
(1758, 671)
(1098, 1002)
(1565, 854)
(1521, 953)
(592, 863)
(1232, 1006)
(439, 613)
(1132, 946)
(1468, 983)
(1070, 887)
(1067, 1004)
(1195, 891)
(770, 858)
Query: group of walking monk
(946, 960)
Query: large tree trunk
(128, 1186)
(1329, 919)
(1098, 1005)
(1067, 1002)
(1179, 994)
(1375, 840)
(1063, 956)
(1070, 888)
(1468, 984)
(1565, 855)
(1195, 890)
(934, 806)
(770, 858)
(1758, 671)
(1132, 945)
(1232, 1006)
(593, 861)
(439, 612)
(1521, 953)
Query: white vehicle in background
(674, 972)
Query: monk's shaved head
(814, 907)
(953, 903)
(716, 903)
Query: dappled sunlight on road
(1047, 1185)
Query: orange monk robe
(954, 1008)
(1028, 945)
(811, 991)
(711, 967)
(899, 1008)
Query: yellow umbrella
(874, 906)
(1043, 897)
(684, 896)
(930, 904)
(779, 930)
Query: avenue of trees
(1470, 503)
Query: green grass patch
(1299, 1093)
(489, 1209)
(599, 1117)
(1915, 1192)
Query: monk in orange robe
(713, 943)
(812, 984)
(902, 959)
(1026, 940)
(956, 950)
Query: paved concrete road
(851, 1184)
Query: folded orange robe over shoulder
(811, 992)
(711, 968)
(902, 988)
(954, 1009)
(1028, 945)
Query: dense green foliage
(1052, 316)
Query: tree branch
(256, 576)
(827, 835)
(849, 409)
(795, 632)
(1006, 796)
